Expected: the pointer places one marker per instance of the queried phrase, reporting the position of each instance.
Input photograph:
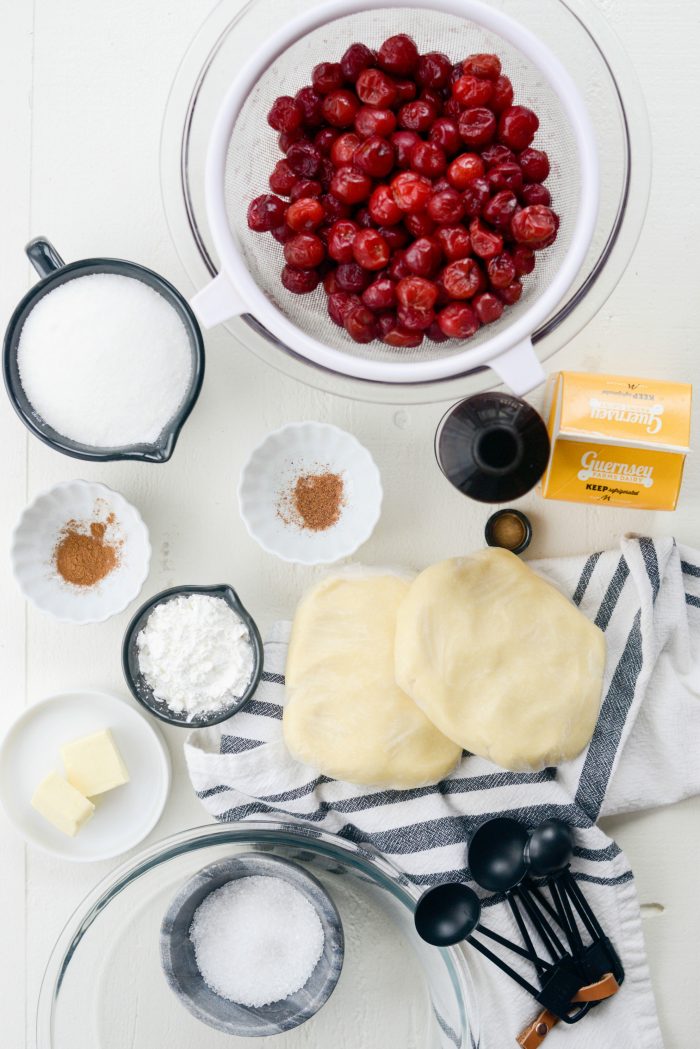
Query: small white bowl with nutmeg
(310, 493)
(80, 552)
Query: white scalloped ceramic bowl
(301, 448)
(34, 540)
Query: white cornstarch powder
(105, 360)
(195, 654)
(256, 940)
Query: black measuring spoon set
(575, 965)
(548, 853)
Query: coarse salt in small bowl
(268, 479)
(179, 957)
(38, 532)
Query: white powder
(105, 360)
(256, 940)
(195, 654)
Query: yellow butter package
(617, 440)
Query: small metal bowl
(54, 271)
(141, 691)
(180, 966)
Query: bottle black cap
(493, 447)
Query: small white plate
(301, 448)
(35, 537)
(123, 816)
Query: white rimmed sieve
(243, 150)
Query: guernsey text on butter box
(617, 440)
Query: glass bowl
(591, 52)
(104, 986)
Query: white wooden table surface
(83, 87)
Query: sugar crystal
(105, 360)
(256, 940)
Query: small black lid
(492, 528)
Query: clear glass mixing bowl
(592, 54)
(104, 988)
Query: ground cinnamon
(314, 501)
(84, 557)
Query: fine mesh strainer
(243, 149)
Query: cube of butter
(61, 804)
(94, 764)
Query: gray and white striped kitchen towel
(646, 597)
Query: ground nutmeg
(313, 501)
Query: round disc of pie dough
(344, 713)
(500, 660)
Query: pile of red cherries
(414, 193)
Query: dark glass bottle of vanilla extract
(494, 447)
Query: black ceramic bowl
(180, 966)
(51, 267)
(135, 679)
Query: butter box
(617, 440)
